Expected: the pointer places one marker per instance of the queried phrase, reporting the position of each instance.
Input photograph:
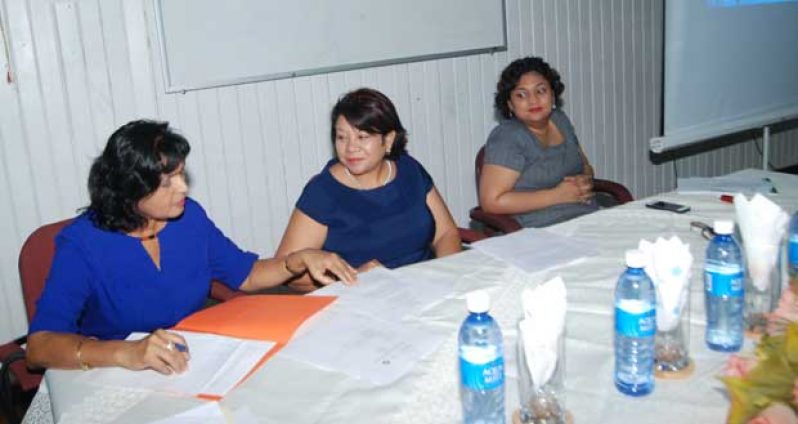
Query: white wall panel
(81, 68)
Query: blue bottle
(635, 326)
(792, 252)
(481, 363)
(724, 273)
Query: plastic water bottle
(724, 273)
(635, 326)
(792, 252)
(481, 363)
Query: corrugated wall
(78, 69)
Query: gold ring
(170, 346)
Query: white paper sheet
(726, 184)
(364, 347)
(207, 413)
(383, 294)
(217, 364)
(533, 250)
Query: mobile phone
(668, 206)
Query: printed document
(217, 364)
(534, 250)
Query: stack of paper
(227, 343)
(725, 184)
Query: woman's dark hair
(369, 110)
(513, 73)
(130, 169)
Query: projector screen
(729, 65)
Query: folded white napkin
(668, 263)
(542, 326)
(763, 225)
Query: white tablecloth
(286, 391)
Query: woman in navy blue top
(141, 258)
(373, 204)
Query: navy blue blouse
(104, 284)
(391, 223)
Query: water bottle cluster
(635, 310)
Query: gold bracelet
(291, 271)
(83, 365)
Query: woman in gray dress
(535, 169)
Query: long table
(286, 390)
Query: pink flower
(738, 366)
(795, 392)
(776, 413)
(786, 312)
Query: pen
(728, 198)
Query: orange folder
(256, 317)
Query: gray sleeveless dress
(512, 145)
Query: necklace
(155, 230)
(357, 183)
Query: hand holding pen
(162, 351)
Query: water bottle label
(793, 250)
(634, 323)
(723, 281)
(482, 376)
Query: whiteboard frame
(171, 87)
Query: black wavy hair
(373, 112)
(130, 169)
(513, 73)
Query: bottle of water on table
(635, 327)
(792, 253)
(481, 363)
(724, 273)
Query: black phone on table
(668, 206)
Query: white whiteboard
(211, 43)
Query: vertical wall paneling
(81, 68)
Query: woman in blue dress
(373, 204)
(141, 258)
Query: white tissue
(668, 265)
(763, 225)
(542, 327)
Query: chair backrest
(35, 259)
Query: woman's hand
(369, 265)
(158, 351)
(568, 190)
(584, 186)
(319, 264)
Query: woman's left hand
(585, 185)
(319, 264)
(368, 266)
